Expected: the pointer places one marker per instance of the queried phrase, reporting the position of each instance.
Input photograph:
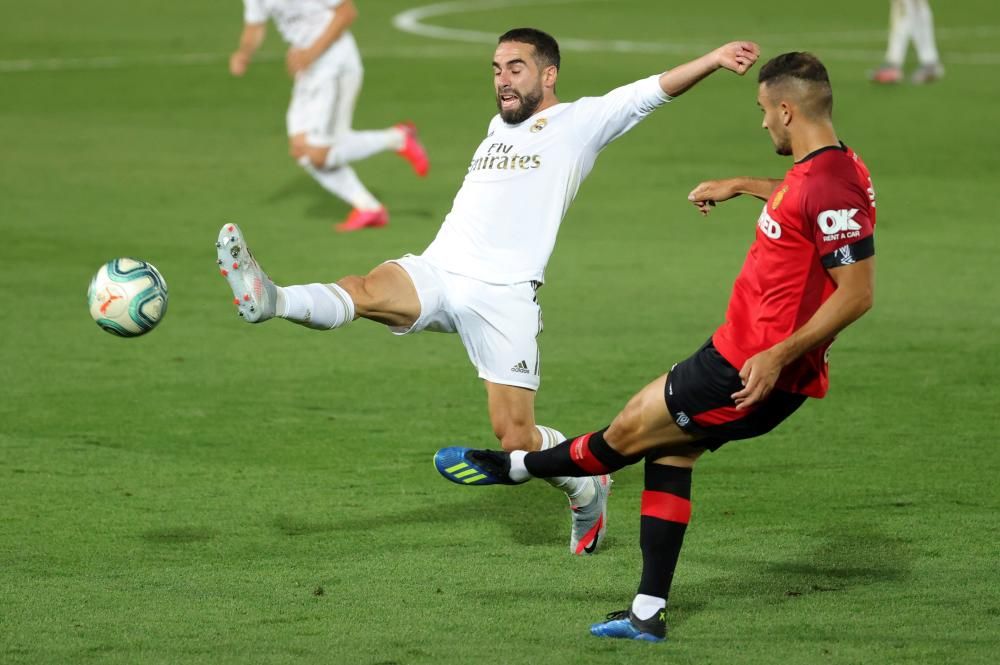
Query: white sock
(354, 146)
(900, 28)
(343, 183)
(317, 306)
(579, 490)
(643, 606)
(923, 33)
(518, 472)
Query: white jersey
(300, 22)
(503, 223)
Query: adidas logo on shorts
(521, 367)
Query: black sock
(587, 455)
(666, 509)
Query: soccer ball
(127, 297)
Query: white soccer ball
(127, 297)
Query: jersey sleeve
(254, 11)
(840, 215)
(600, 120)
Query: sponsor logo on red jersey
(768, 225)
(838, 224)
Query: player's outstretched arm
(706, 194)
(250, 40)
(737, 57)
(344, 15)
(854, 296)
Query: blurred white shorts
(322, 104)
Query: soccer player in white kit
(910, 20)
(326, 66)
(479, 276)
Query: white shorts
(498, 323)
(322, 105)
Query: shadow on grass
(178, 535)
(323, 205)
(536, 515)
(320, 203)
(847, 558)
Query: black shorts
(699, 397)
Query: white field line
(412, 21)
(182, 59)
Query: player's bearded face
(517, 105)
(782, 140)
(780, 135)
(517, 81)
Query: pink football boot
(364, 219)
(413, 150)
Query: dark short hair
(546, 47)
(802, 67)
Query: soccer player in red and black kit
(809, 274)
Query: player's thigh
(499, 326)
(407, 294)
(512, 415)
(311, 108)
(646, 425)
(346, 89)
(386, 295)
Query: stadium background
(216, 493)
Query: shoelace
(619, 614)
(491, 461)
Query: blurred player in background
(809, 274)
(480, 275)
(323, 59)
(910, 20)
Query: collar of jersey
(840, 146)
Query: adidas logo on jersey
(838, 224)
(521, 368)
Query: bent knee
(300, 149)
(366, 293)
(316, 157)
(627, 428)
(517, 437)
(357, 288)
(297, 146)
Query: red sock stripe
(579, 452)
(666, 506)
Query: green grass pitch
(220, 493)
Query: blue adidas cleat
(624, 625)
(467, 466)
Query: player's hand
(298, 59)
(737, 56)
(238, 63)
(759, 374)
(706, 194)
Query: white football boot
(590, 520)
(253, 291)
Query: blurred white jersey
(300, 22)
(503, 223)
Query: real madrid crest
(539, 125)
(778, 197)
